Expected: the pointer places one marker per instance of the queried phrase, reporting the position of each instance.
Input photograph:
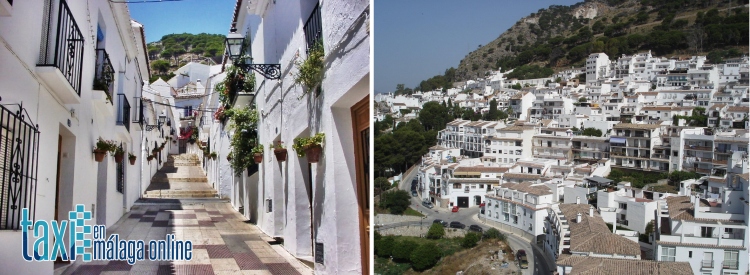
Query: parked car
(476, 228)
(454, 209)
(522, 261)
(427, 204)
(444, 223)
(414, 193)
(457, 225)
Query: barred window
(19, 148)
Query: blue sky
(188, 16)
(417, 39)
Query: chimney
(578, 200)
(591, 211)
(199, 81)
(578, 218)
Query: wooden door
(361, 129)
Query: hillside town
(554, 170)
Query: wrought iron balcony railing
(105, 74)
(123, 111)
(313, 28)
(19, 152)
(63, 44)
(730, 264)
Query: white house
(311, 206)
(521, 206)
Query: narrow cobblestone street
(180, 202)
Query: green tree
(592, 132)
(493, 113)
(582, 99)
(433, 116)
(384, 246)
(425, 256)
(493, 233)
(381, 184)
(162, 66)
(470, 240)
(436, 231)
(396, 201)
(402, 250)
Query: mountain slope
(176, 50)
(562, 36)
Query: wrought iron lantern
(234, 49)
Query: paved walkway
(223, 243)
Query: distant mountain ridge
(562, 36)
(176, 50)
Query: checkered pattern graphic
(79, 231)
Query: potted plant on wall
(310, 147)
(279, 150)
(119, 153)
(213, 155)
(131, 157)
(229, 156)
(257, 153)
(150, 158)
(310, 72)
(101, 149)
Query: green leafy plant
(436, 231)
(236, 80)
(105, 145)
(244, 123)
(131, 156)
(311, 69)
(258, 149)
(277, 145)
(117, 150)
(301, 144)
(213, 155)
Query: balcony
(138, 116)
(730, 264)
(104, 75)
(61, 55)
(695, 147)
(123, 112)
(707, 264)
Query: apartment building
(476, 137)
(509, 144)
(709, 234)
(710, 152)
(632, 144)
(578, 230)
(627, 206)
(453, 134)
(520, 206)
(597, 68)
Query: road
(468, 216)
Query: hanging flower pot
(280, 154)
(150, 158)
(229, 157)
(132, 160)
(313, 153)
(258, 157)
(99, 155)
(119, 156)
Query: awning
(467, 173)
(616, 140)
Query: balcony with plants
(101, 93)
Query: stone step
(175, 196)
(174, 179)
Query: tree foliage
(425, 256)
(470, 240)
(402, 250)
(396, 201)
(384, 246)
(436, 231)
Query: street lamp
(234, 50)
(159, 122)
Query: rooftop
(597, 265)
(591, 234)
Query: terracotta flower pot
(280, 154)
(99, 155)
(132, 161)
(119, 157)
(213, 157)
(258, 157)
(229, 158)
(150, 158)
(313, 153)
